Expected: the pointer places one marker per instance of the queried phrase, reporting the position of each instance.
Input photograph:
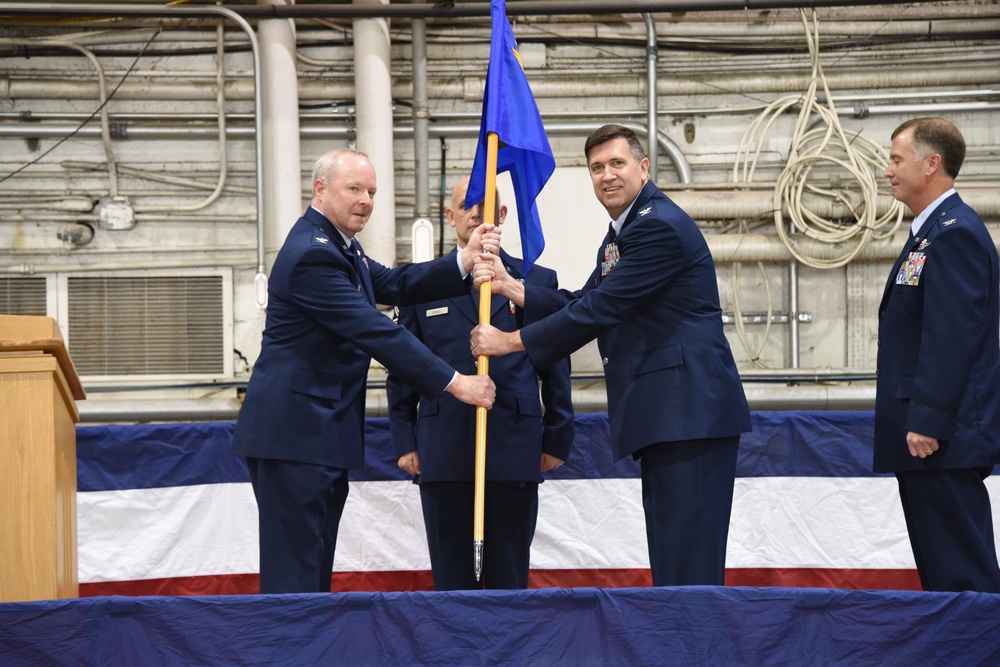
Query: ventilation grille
(141, 325)
(22, 296)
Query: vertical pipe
(373, 98)
(282, 171)
(793, 314)
(420, 119)
(651, 78)
(444, 194)
(423, 230)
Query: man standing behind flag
(434, 436)
(675, 400)
(510, 112)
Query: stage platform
(571, 627)
(168, 562)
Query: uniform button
(881, 314)
(605, 361)
(877, 372)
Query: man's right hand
(474, 390)
(410, 462)
(490, 267)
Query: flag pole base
(478, 557)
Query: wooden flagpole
(483, 361)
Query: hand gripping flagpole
(483, 362)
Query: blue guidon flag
(509, 111)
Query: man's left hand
(921, 445)
(550, 462)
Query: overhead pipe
(28, 269)
(128, 130)
(769, 248)
(725, 248)
(542, 8)
(575, 87)
(459, 130)
(592, 398)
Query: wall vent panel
(23, 296)
(146, 325)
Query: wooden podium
(38, 390)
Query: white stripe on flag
(777, 522)
(177, 531)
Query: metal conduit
(764, 389)
(457, 130)
(651, 85)
(542, 7)
(591, 398)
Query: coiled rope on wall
(824, 165)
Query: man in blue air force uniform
(675, 400)
(937, 406)
(302, 423)
(435, 436)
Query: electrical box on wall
(116, 213)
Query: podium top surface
(19, 327)
(29, 333)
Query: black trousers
(950, 524)
(299, 507)
(687, 496)
(509, 516)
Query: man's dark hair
(937, 135)
(607, 133)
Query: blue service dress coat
(939, 355)
(306, 398)
(652, 302)
(442, 430)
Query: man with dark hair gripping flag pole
(511, 138)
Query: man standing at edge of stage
(302, 423)
(675, 400)
(435, 437)
(937, 404)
